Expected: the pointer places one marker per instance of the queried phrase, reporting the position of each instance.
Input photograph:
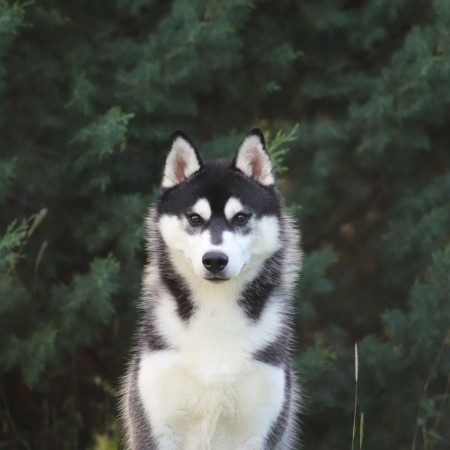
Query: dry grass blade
(37, 220)
(356, 395)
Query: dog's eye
(195, 219)
(241, 218)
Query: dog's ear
(181, 162)
(253, 160)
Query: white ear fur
(253, 160)
(182, 162)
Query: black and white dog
(212, 368)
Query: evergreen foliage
(89, 95)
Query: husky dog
(212, 366)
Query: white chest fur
(208, 392)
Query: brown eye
(195, 220)
(241, 218)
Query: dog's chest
(219, 339)
(224, 412)
(217, 343)
(210, 376)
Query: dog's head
(219, 220)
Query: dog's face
(220, 220)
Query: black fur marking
(277, 352)
(257, 292)
(141, 432)
(153, 340)
(258, 132)
(177, 287)
(217, 225)
(217, 182)
(279, 427)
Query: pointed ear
(253, 160)
(182, 161)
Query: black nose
(215, 261)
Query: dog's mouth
(216, 279)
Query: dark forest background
(354, 98)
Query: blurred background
(354, 98)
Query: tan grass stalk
(361, 430)
(356, 395)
